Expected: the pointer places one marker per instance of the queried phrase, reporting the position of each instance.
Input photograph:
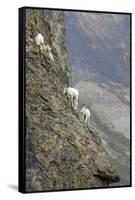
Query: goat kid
(85, 114)
(50, 55)
(46, 50)
(43, 48)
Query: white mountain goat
(85, 114)
(43, 48)
(46, 50)
(39, 39)
(72, 95)
(51, 58)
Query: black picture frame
(22, 99)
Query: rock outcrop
(61, 152)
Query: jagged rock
(61, 153)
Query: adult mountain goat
(72, 95)
(85, 114)
(39, 39)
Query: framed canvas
(74, 99)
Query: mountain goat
(85, 114)
(43, 48)
(46, 50)
(50, 55)
(39, 39)
(72, 95)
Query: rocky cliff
(61, 152)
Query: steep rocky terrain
(61, 152)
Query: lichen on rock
(61, 152)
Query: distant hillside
(99, 46)
(99, 51)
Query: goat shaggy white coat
(39, 39)
(43, 48)
(50, 56)
(85, 115)
(48, 48)
(73, 96)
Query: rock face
(61, 152)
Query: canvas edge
(21, 98)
